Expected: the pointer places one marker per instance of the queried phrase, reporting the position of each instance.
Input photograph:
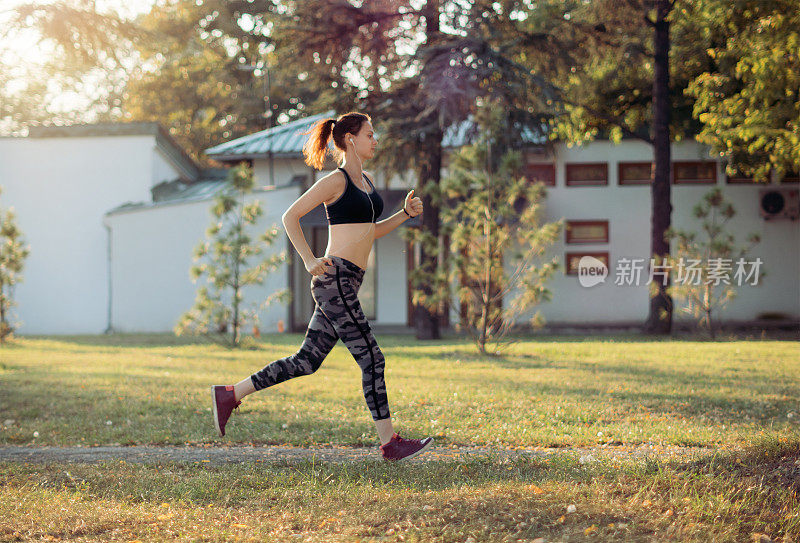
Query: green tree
(203, 73)
(182, 64)
(707, 261)
(12, 261)
(749, 102)
(660, 71)
(492, 215)
(419, 68)
(619, 69)
(372, 58)
(218, 306)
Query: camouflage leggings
(337, 315)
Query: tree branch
(511, 279)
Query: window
(572, 260)
(635, 173)
(695, 172)
(546, 173)
(587, 174)
(587, 231)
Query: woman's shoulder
(335, 177)
(333, 185)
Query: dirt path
(216, 454)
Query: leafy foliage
(711, 289)
(749, 104)
(12, 261)
(492, 215)
(223, 258)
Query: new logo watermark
(631, 271)
(591, 271)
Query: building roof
(206, 188)
(164, 139)
(287, 140)
(463, 133)
(282, 140)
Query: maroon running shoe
(398, 448)
(224, 401)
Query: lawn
(739, 397)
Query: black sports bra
(354, 204)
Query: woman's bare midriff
(351, 241)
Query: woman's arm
(387, 225)
(412, 206)
(322, 191)
(295, 233)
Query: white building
(113, 212)
(60, 182)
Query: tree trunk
(487, 232)
(659, 320)
(3, 328)
(2, 305)
(711, 326)
(235, 333)
(426, 322)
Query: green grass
(726, 497)
(551, 392)
(735, 396)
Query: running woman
(352, 205)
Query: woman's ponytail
(316, 146)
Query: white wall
(392, 288)
(153, 254)
(283, 171)
(627, 208)
(60, 188)
(163, 169)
